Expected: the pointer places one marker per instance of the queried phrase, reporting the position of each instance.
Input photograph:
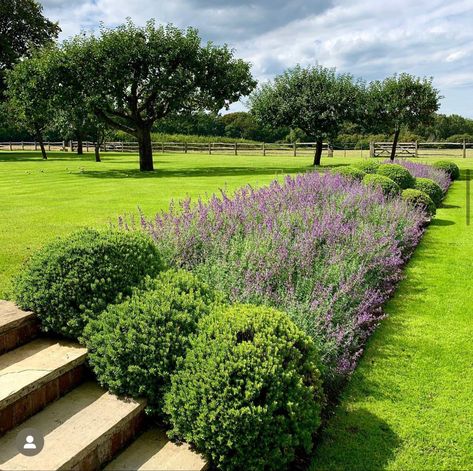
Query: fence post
(371, 149)
(417, 148)
(63, 146)
(264, 149)
(464, 148)
(361, 150)
(11, 147)
(210, 148)
(105, 146)
(294, 149)
(330, 150)
(49, 145)
(236, 148)
(185, 147)
(36, 145)
(71, 146)
(22, 145)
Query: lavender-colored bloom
(327, 250)
(420, 170)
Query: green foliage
(401, 101)
(431, 188)
(316, 100)
(368, 166)
(397, 173)
(134, 346)
(71, 280)
(419, 199)
(248, 393)
(389, 187)
(23, 28)
(448, 166)
(148, 73)
(352, 172)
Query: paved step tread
(153, 451)
(84, 420)
(12, 317)
(31, 366)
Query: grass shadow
(357, 441)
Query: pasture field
(408, 405)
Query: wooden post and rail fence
(376, 149)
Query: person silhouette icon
(29, 445)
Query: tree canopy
(401, 101)
(133, 76)
(315, 100)
(23, 28)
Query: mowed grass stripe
(409, 405)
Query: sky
(367, 38)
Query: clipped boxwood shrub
(448, 166)
(350, 172)
(368, 166)
(398, 174)
(419, 199)
(134, 346)
(431, 188)
(72, 279)
(248, 393)
(389, 187)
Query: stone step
(36, 374)
(17, 327)
(82, 431)
(153, 451)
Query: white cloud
(368, 38)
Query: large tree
(134, 76)
(30, 92)
(316, 100)
(23, 28)
(401, 101)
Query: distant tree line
(137, 81)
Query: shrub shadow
(441, 222)
(357, 441)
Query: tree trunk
(146, 150)
(80, 145)
(393, 150)
(39, 138)
(97, 152)
(318, 152)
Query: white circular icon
(29, 442)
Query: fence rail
(376, 149)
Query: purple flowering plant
(327, 250)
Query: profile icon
(29, 443)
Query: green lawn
(43, 199)
(409, 405)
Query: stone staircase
(45, 385)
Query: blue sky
(368, 38)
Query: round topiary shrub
(134, 346)
(419, 199)
(248, 393)
(398, 174)
(368, 166)
(389, 187)
(431, 188)
(72, 279)
(353, 173)
(450, 167)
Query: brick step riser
(108, 447)
(36, 400)
(19, 335)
